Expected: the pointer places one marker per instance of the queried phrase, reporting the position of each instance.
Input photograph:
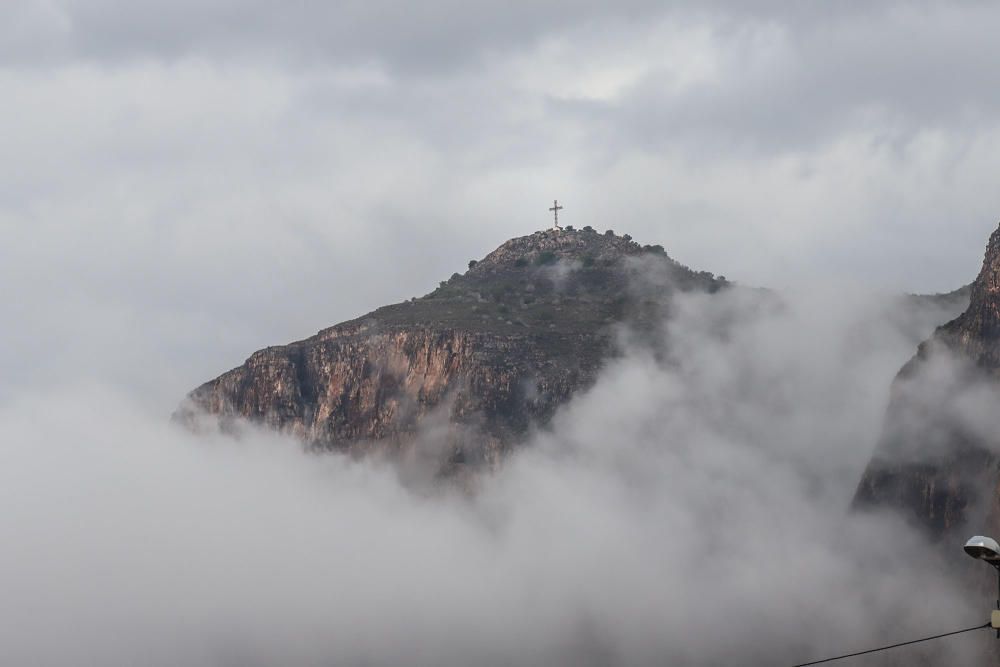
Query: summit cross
(555, 208)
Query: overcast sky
(183, 182)
(194, 180)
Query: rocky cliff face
(476, 363)
(937, 461)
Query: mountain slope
(478, 361)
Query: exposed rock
(480, 360)
(935, 463)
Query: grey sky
(183, 182)
(236, 174)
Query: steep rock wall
(347, 388)
(936, 462)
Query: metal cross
(555, 208)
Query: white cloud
(683, 490)
(182, 184)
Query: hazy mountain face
(705, 476)
(936, 462)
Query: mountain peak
(976, 332)
(488, 353)
(585, 245)
(556, 280)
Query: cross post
(555, 208)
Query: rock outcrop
(937, 460)
(477, 362)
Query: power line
(886, 648)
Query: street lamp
(986, 549)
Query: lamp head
(983, 548)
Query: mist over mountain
(705, 471)
(711, 417)
(576, 449)
(936, 462)
(486, 358)
(488, 355)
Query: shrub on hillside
(547, 257)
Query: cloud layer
(690, 509)
(182, 184)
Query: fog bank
(689, 510)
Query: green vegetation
(517, 290)
(547, 257)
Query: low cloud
(690, 509)
(184, 184)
